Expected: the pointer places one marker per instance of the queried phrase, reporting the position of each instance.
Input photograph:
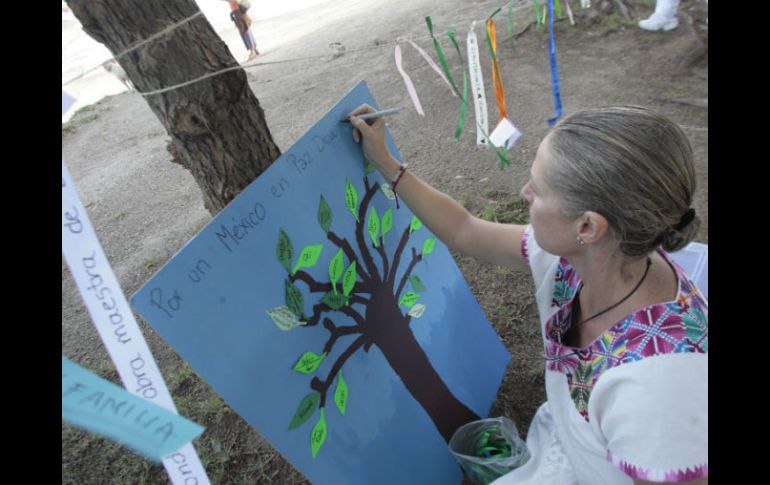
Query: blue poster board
(371, 374)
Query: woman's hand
(371, 135)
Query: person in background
(242, 21)
(663, 18)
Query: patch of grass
(197, 227)
(615, 22)
(180, 375)
(75, 123)
(213, 404)
(85, 109)
(102, 457)
(511, 210)
(505, 313)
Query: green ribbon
(451, 34)
(557, 6)
(440, 55)
(538, 20)
(442, 59)
(463, 108)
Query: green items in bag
(488, 449)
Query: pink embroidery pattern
(677, 326)
(673, 476)
(524, 239)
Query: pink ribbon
(433, 65)
(408, 82)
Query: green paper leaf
(324, 215)
(309, 362)
(416, 283)
(335, 269)
(294, 300)
(427, 246)
(335, 301)
(341, 394)
(387, 222)
(351, 198)
(368, 167)
(284, 318)
(388, 191)
(417, 310)
(305, 409)
(408, 299)
(284, 250)
(374, 226)
(349, 279)
(308, 257)
(415, 224)
(318, 435)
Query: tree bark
(217, 127)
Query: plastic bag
(488, 449)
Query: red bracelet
(400, 174)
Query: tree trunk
(217, 127)
(390, 332)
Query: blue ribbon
(554, 71)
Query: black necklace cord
(577, 296)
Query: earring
(580, 240)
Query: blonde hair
(634, 167)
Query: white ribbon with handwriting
(477, 88)
(116, 324)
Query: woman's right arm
(446, 218)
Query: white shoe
(659, 22)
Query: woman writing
(625, 331)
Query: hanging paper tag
(505, 134)
(585, 3)
(477, 87)
(137, 423)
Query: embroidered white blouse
(633, 404)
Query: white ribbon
(116, 324)
(477, 87)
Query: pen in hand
(376, 114)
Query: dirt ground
(145, 208)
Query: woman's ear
(592, 227)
